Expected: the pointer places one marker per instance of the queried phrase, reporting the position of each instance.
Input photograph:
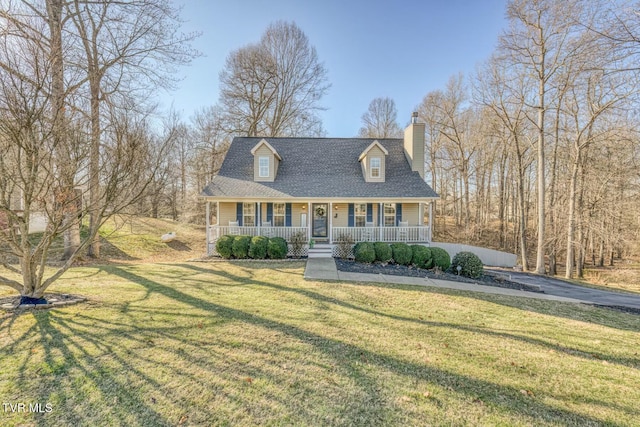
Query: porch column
(207, 229)
(380, 220)
(218, 214)
(259, 216)
(430, 221)
(330, 213)
(309, 221)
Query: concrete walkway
(325, 269)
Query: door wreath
(320, 211)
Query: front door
(320, 224)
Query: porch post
(430, 221)
(218, 214)
(309, 221)
(330, 222)
(208, 230)
(380, 220)
(259, 215)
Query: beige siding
(296, 210)
(227, 213)
(410, 212)
(343, 215)
(263, 151)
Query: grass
(254, 344)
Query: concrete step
(321, 251)
(320, 255)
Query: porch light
(336, 207)
(304, 207)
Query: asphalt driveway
(561, 288)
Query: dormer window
(375, 167)
(373, 162)
(265, 161)
(263, 167)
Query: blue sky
(397, 49)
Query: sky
(399, 49)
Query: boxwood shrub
(421, 256)
(383, 251)
(401, 253)
(258, 247)
(224, 246)
(277, 248)
(470, 264)
(365, 252)
(441, 258)
(240, 246)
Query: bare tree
(380, 120)
(537, 39)
(127, 47)
(273, 88)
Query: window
(360, 214)
(375, 167)
(263, 166)
(278, 214)
(249, 214)
(389, 214)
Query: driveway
(561, 288)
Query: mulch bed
(12, 303)
(403, 270)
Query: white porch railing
(415, 234)
(216, 231)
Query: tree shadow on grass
(540, 307)
(110, 354)
(494, 393)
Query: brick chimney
(414, 144)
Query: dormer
(373, 162)
(265, 161)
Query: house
(327, 188)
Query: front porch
(322, 222)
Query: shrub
(298, 240)
(441, 258)
(277, 248)
(383, 251)
(401, 253)
(421, 256)
(240, 246)
(344, 248)
(224, 246)
(364, 252)
(258, 247)
(470, 263)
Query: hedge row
(401, 253)
(258, 247)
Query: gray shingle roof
(316, 167)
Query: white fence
(417, 234)
(216, 231)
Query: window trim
(362, 214)
(283, 215)
(245, 214)
(377, 168)
(387, 215)
(261, 166)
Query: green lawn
(243, 344)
